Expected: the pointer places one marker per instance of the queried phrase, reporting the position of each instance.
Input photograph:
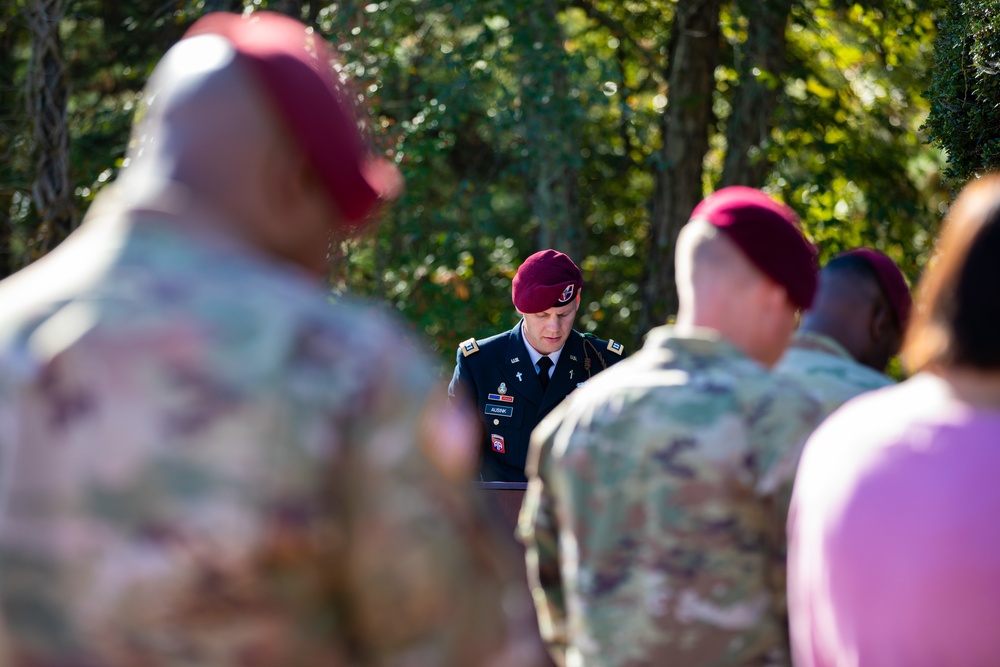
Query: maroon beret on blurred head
(768, 234)
(293, 66)
(547, 279)
(890, 278)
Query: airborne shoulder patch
(469, 347)
(616, 347)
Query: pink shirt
(894, 534)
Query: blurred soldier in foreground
(518, 376)
(204, 461)
(661, 487)
(852, 330)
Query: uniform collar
(694, 342)
(535, 355)
(810, 340)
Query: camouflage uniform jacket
(661, 488)
(204, 462)
(827, 371)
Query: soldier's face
(547, 331)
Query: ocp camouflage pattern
(827, 371)
(654, 518)
(205, 462)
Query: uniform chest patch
(495, 410)
(497, 443)
(498, 397)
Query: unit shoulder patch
(468, 347)
(616, 347)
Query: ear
(880, 323)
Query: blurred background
(591, 126)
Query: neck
(832, 329)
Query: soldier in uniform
(203, 461)
(517, 377)
(657, 494)
(852, 330)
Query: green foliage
(965, 92)
(465, 97)
(520, 123)
(847, 154)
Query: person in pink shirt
(894, 540)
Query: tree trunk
(760, 70)
(694, 55)
(48, 93)
(549, 132)
(223, 6)
(11, 121)
(291, 8)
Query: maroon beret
(890, 278)
(547, 279)
(294, 68)
(768, 234)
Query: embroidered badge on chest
(497, 443)
(501, 394)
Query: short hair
(853, 265)
(859, 268)
(958, 301)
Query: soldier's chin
(551, 345)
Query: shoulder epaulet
(468, 347)
(616, 347)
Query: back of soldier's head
(199, 119)
(744, 269)
(863, 303)
(237, 86)
(845, 278)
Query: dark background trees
(593, 126)
(965, 90)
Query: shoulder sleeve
(538, 530)
(463, 385)
(781, 419)
(414, 535)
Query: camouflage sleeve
(780, 424)
(780, 421)
(538, 530)
(426, 580)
